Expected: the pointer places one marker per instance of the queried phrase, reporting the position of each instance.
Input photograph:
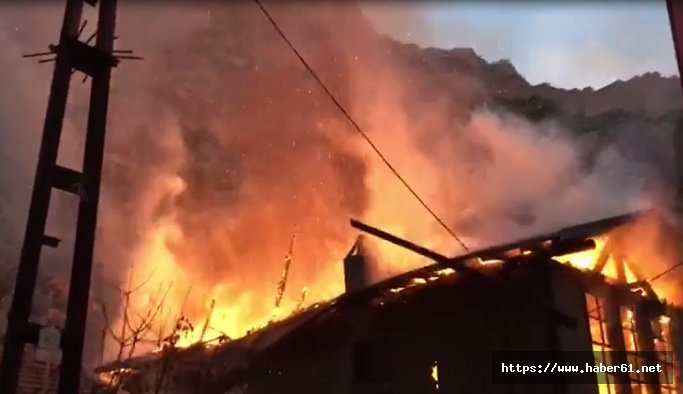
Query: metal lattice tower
(96, 62)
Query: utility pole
(69, 55)
(675, 9)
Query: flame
(230, 316)
(646, 246)
(435, 374)
(490, 262)
(243, 304)
(109, 378)
(305, 168)
(233, 314)
(586, 261)
(445, 272)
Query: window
(662, 346)
(628, 329)
(601, 346)
(665, 355)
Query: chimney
(356, 272)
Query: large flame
(587, 260)
(240, 150)
(220, 314)
(647, 247)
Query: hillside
(651, 93)
(638, 117)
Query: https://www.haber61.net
(587, 368)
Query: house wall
(391, 347)
(677, 339)
(569, 297)
(455, 327)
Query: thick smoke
(652, 239)
(222, 147)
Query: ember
(435, 374)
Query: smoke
(407, 21)
(221, 147)
(652, 238)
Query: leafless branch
(208, 319)
(282, 284)
(148, 320)
(134, 325)
(143, 283)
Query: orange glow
(584, 260)
(445, 272)
(232, 318)
(489, 262)
(236, 312)
(646, 246)
(587, 259)
(435, 374)
(110, 378)
(240, 158)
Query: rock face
(640, 113)
(638, 116)
(650, 93)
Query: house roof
(566, 240)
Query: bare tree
(208, 320)
(135, 326)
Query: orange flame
(289, 177)
(586, 261)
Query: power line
(665, 272)
(357, 127)
(654, 278)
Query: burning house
(428, 330)
(434, 329)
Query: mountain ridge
(650, 93)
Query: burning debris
(282, 284)
(411, 290)
(302, 299)
(435, 374)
